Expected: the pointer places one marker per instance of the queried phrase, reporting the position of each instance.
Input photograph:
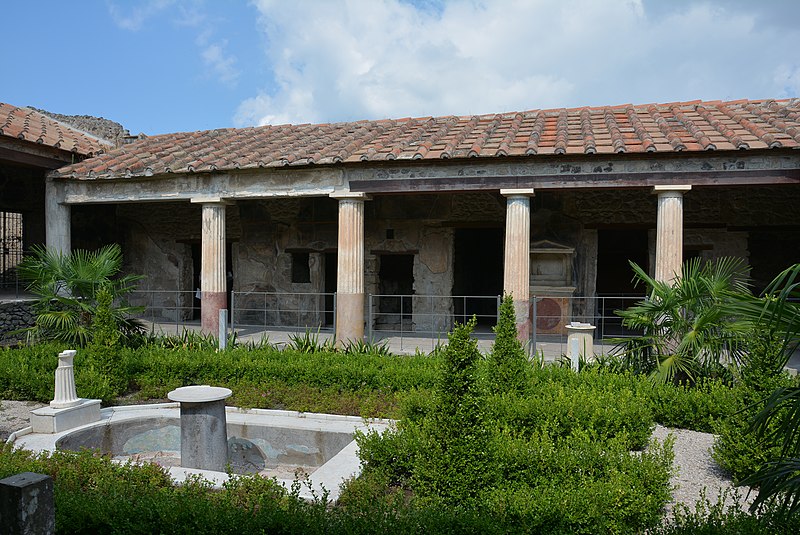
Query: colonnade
(350, 297)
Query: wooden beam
(31, 160)
(594, 181)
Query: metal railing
(420, 320)
(287, 311)
(427, 316)
(11, 285)
(167, 309)
(550, 315)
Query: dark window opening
(301, 269)
(389, 233)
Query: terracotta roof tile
(671, 127)
(30, 125)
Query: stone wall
(15, 314)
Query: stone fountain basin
(280, 444)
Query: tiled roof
(30, 125)
(659, 128)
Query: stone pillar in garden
(669, 232)
(350, 269)
(516, 264)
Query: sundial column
(212, 264)
(350, 269)
(517, 261)
(669, 232)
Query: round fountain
(197, 435)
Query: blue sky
(173, 65)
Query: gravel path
(14, 415)
(693, 468)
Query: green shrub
(738, 449)
(716, 518)
(507, 366)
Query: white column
(213, 289)
(669, 232)
(57, 218)
(516, 266)
(65, 393)
(350, 269)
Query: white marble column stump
(517, 261)
(66, 395)
(213, 289)
(669, 232)
(350, 269)
(57, 218)
(67, 410)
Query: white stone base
(50, 420)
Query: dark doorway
(395, 277)
(616, 248)
(331, 270)
(478, 271)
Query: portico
(288, 219)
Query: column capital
(678, 189)
(349, 196)
(210, 200)
(523, 192)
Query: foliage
(361, 347)
(458, 461)
(738, 449)
(687, 329)
(68, 287)
(778, 313)
(716, 518)
(309, 343)
(507, 366)
(553, 459)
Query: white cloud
(356, 59)
(221, 65)
(132, 19)
(787, 77)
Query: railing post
(369, 318)
(534, 323)
(233, 312)
(223, 328)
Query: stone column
(517, 262)
(213, 289)
(57, 218)
(669, 231)
(350, 272)
(65, 394)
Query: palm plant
(68, 286)
(686, 328)
(778, 313)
